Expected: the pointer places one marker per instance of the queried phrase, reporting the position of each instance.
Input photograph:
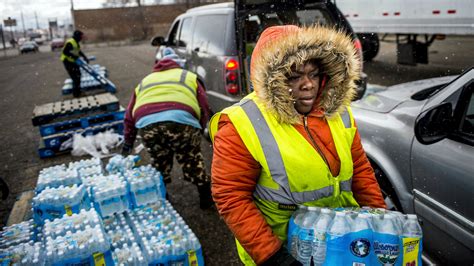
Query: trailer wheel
(370, 45)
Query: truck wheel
(370, 45)
(388, 192)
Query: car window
(210, 41)
(172, 40)
(185, 35)
(256, 23)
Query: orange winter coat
(235, 172)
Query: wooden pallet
(46, 113)
(52, 145)
(81, 122)
(21, 209)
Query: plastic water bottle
(319, 242)
(294, 228)
(412, 241)
(361, 240)
(338, 240)
(386, 240)
(306, 235)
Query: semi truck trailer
(416, 24)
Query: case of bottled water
(87, 246)
(145, 184)
(164, 236)
(354, 236)
(57, 176)
(85, 163)
(119, 164)
(109, 193)
(53, 203)
(24, 254)
(84, 172)
(73, 223)
(16, 234)
(125, 248)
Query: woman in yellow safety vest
(292, 141)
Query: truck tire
(370, 45)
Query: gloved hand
(86, 59)
(282, 257)
(127, 149)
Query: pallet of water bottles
(88, 82)
(354, 236)
(154, 234)
(120, 186)
(84, 216)
(72, 124)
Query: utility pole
(23, 23)
(3, 41)
(37, 25)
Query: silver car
(419, 137)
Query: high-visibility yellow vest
(76, 48)
(172, 85)
(293, 172)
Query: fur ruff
(332, 48)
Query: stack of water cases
(16, 234)
(164, 236)
(78, 239)
(109, 193)
(354, 236)
(53, 203)
(88, 82)
(126, 222)
(145, 183)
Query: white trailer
(407, 19)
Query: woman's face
(304, 86)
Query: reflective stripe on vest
(172, 85)
(75, 50)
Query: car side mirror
(157, 41)
(435, 124)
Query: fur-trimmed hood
(281, 47)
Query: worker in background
(71, 52)
(169, 110)
(293, 141)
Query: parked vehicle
(419, 137)
(57, 43)
(217, 40)
(409, 20)
(29, 46)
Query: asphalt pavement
(35, 79)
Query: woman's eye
(315, 75)
(293, 78)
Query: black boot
(205, 197)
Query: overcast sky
(45, 9)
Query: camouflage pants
(165, 140)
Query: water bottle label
(192, 258)
(99, 258)
(386, 248)
(411, 251)
(360, 247)
(68, 210)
